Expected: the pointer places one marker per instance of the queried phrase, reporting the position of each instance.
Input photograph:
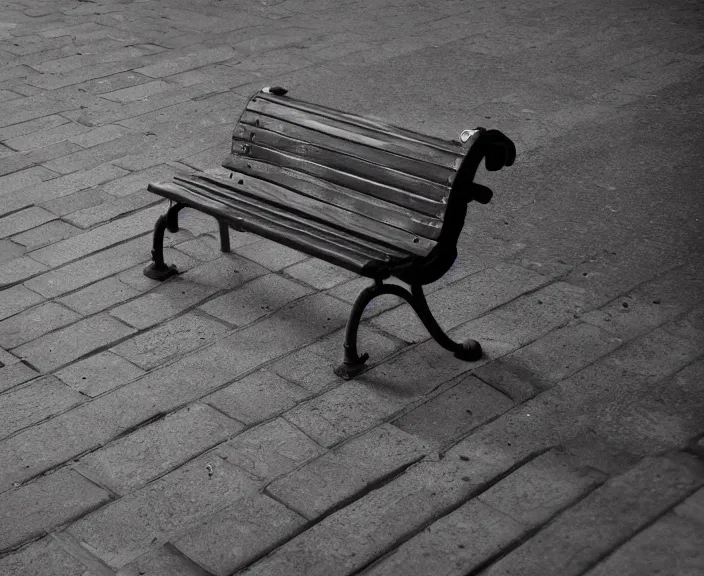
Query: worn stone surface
(318, 274)
(42, 558)
(91, 269)
(166, 561)
(599, 522)
(109, 210)
(25, 178)
(33, 508)
(693, 507)
(331, 479)
(164, 507)
(80, 200)
(665, 416)
(24, 220)
(9, 250)
(52, 231)
(672, 545)
(239, 534)
(540, 488)
(170, 340)
(99, 373)
(16, 299)
(63, 346)
(147, 453)
(52, 442)
(255, 299)
(312, 366)
(205, 370)
(269, 450)
(35, 402)
(560, 354)
(98, 238)
(13, 374)
(99, 296)
(187, 290)
(257, 397)
(455, 544)
(206, 247)
(33, 323)
(52, 191)
(131, 183)
(468, 404)
(479, 529)
(593, 399)
(344, 411)
(355, 535)
(270, 255)
(45, 137)
(19, 269)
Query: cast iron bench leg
(224, 236)
(158, 269)
(353, 363)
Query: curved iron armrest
(497, 151)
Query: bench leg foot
(353, 363)
(470, 350)
(158, 269)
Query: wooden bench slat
(336, 195)
(365, 122)
(277, 216)
(274, 132)
(372, 138)
(316, 242)
(425, 205)
(307, 207)
(307, 152)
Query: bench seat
(265, 209)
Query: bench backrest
(387, 174)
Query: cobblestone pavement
(195, 427)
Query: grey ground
(195, 427)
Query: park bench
(370, 197)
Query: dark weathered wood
(284, 118)
(364, 122)
(431, 205)
(318, 241)
(332, 160)
(276, 216)
(253, 205)
(263, 193)
(270, 131)
(345, 198)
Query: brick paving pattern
(195, 427)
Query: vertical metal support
(352, 362)
(224, 236)
(158, 269)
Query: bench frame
(497, 150)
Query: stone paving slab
(195, 427)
